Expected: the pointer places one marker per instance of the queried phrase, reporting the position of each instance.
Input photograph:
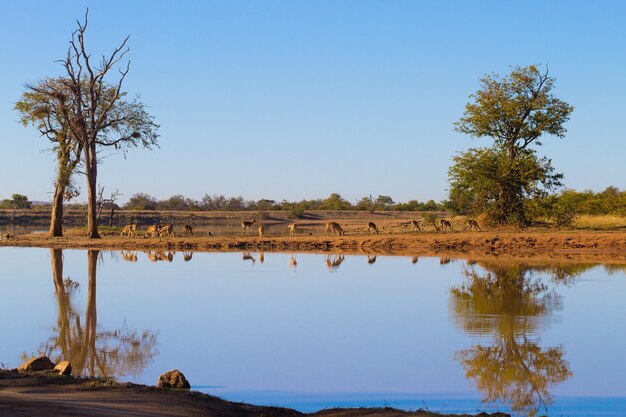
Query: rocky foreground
(41, 388)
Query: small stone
(41, 363)
(173, 379)
(64, 368)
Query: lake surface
(312, 331)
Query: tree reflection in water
(91, 351)
(513, 307)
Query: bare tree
(102, 202)
(96, 112)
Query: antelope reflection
(129, 256)
(333, 261)
(414, 259)
(245, 256)
(371, 259)
(293, 262)
(156, 256)
(187, 256)
(91, 351)
(512, 307)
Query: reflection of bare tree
(510, 305)
(91, 351)
(333, 261)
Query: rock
(42, 363)
(173, 379)
(64, 368)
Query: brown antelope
(371, 227)
(187, 256)
(417, 224)
(371, 259)
(152, 231)
(245, 226)
(333, 261)
(261, 231)
(445, 225)
(8, 236)
(129, 230)
(188, 230)
(292, 229)
(472, 224)
(166, 230)
(334, 227)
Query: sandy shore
(598, 246)
(39, 394)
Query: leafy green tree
(516, 111)
(141, 201)
(38, 107)
(17, 201)
(384, 202)
(335, 202)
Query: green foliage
(17, 201)
(335, 202)
(487, 180)
(141, 201)
(515, 111)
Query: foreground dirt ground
(51, 395)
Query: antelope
(445, 225)
(152, 231)
(129, 256)
(187, 256)
(371, 227)
(472, 224)
(333, 262)
(8, 236)
(292, 229)
(188, 230)
(416, 224)
(246, 225)
(371, 259)
(129, 230)
(167, 230)
(334, 227)
(261, 231)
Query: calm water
(311, 331)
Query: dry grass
(600, 222)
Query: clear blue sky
(298, 99)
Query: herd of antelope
(165, 230)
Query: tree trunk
(56, 216)
(111, 216)
(91, 171)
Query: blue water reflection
(314, 331)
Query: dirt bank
(29, 394)
(609, 246)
